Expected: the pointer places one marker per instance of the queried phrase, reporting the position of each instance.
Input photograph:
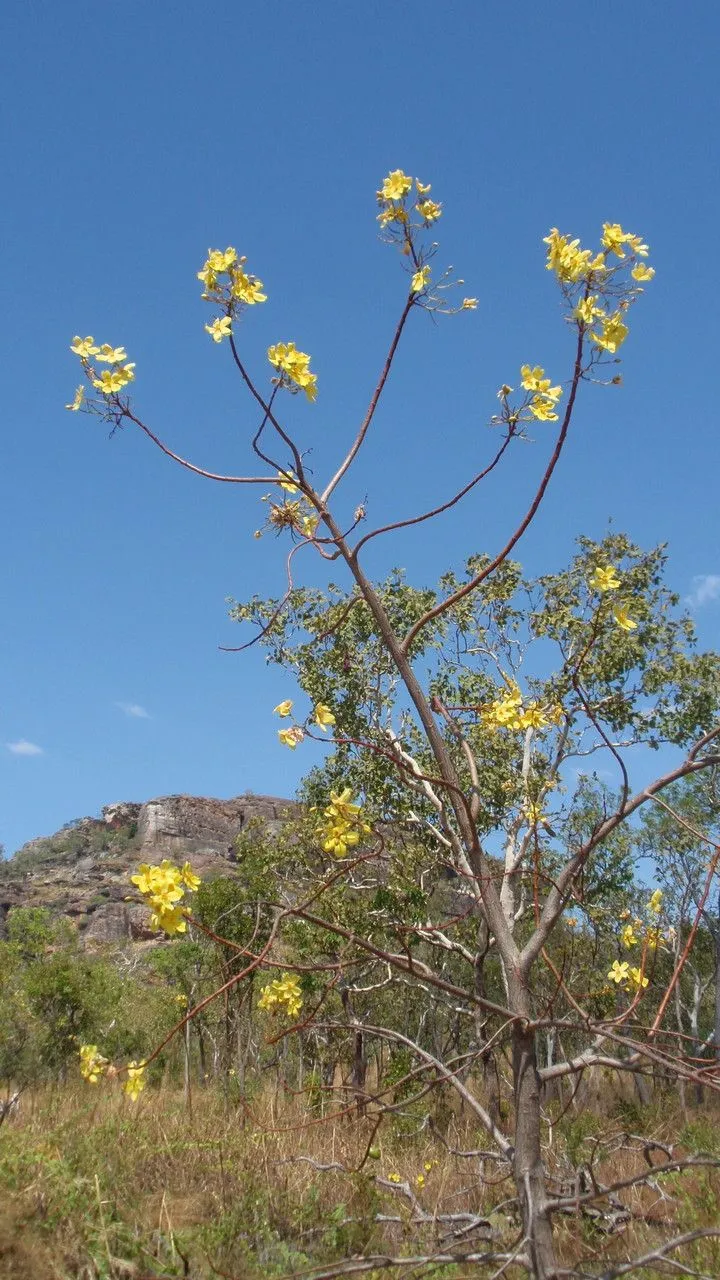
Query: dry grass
(94, 1186)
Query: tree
(456, 715)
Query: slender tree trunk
(528, 1166)
(716, 1032)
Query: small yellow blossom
(637, 979)
(111, 355)
(420, 280)
(282, 993)
(395, 186)
(621, 616)
(604, 579)
(533, 716)
(619, 972)
(614, 238)
(628, 937)
(170, 919)
(290, 485)
(429, 211)
(586, 309)
(295, 364)
(323, 716)
(394, 1177)
(469, 304)
(569, 262)
(427, 1166)
(613, 333)
(392, 213)
(135, 1082)
(283, 708)
(655, 903)
(291, 737)
(641, 273)
(113, 380)
(420, 1181)
(247, 288)
(422, 188)
(190, 879)
(542, 408)
(219, 261)
(504, 391)
(92, 1063)
(84, 347)
(77, 400)
(220, 328)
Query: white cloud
(134, 710)
(24, 748)
(706, 587)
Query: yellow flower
(534, 813)
(291, 737)
(111, 355)
(394, 1177)
(569, 262)
(638, 979)
(604, 579)
(290, 486)
(113, 380)
(392, 213)
(219, 261)
(189, 878)
(535, 380)
(642, 273)
(429, 211)
(420, 1180)
(283, 708)
(170, 919)
(586, 309)
(77, 400)
(504, 391)
(295, 364)
(135, 1082)
(92, 1063)
(427, 1166)
(543, 409)
(420, 280)
(283, 991)
(613, 238)
(84, 347)
(620, 614)
(613, 333)
(637, 246)
(469, 304)
(323, 716)
(220, 328)
(628, 937)
(619, 972)
(247, 288)
(395, 186)
(422, 188)
(655, 903)
(309, 525)
(533, 717)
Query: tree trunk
(528, 1164)
(716, 1033)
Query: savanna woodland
(461, 1017)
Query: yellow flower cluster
(575, 266)
(294, 367)
(627, 977)
(163, 888)
(226, 281)
(606, 579)
(544, 396)
(282, 993)
(344, 825)
(92, 1063)
(291, 737)
(393, 200)
(508, 712)
(107, 381)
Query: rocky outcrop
(82, 872)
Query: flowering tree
(451, 786)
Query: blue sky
(135, 135)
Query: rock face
(83, 871)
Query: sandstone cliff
(82, 872)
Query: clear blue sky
(134, 136)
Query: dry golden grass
(94, 1186)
